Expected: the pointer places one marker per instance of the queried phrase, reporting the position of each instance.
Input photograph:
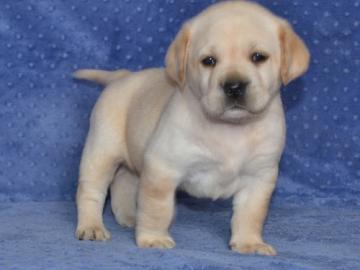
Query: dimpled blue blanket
(314, 218)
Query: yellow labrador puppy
(211, 123)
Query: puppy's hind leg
(124, 191)
(98, 165)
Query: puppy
(211, 123)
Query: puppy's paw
(128, 222)
(93, 233)
(145, 240)
(253, 248)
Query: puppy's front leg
(155, 210)
(250, 210)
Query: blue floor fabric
(40, 236)
(314, 219)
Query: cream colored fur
(159, 130)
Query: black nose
(235, 89)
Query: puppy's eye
(209, 61)
(258, 58)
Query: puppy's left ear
(295, 56)
(176, 58)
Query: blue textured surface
(36, 236)
(44, 120)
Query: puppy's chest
(218, 162)
(214, 171)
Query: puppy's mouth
(239, 113)
(240, 107)
(236, 107)
(235, 113)
(230, 111)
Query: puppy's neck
(192, 103)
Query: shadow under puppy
(211, 123)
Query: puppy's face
(234, 58)
(233, 67)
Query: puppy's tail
(102, 77)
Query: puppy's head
(233, 57)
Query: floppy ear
(295, 56)
(176, 58)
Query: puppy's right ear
(176, 58)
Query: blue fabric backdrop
(44, 120)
